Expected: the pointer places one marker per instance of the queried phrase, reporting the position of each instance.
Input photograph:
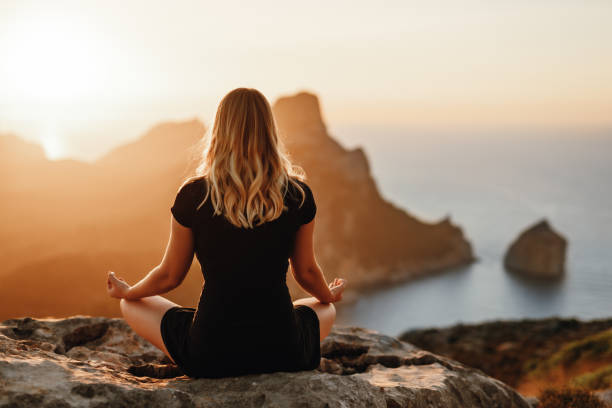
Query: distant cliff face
(359, 235)
(67, 222)
(101, 362)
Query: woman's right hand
(116, 287)
(336, 288)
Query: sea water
(493, 185)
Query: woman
(247, 215)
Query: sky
(81, 77)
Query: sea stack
(539, 251)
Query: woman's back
(245, 215)
(243, 267)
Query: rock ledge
(100, 362)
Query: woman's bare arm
(173, 267)
(305, 268)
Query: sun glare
(54, 59)
(53, 65)
(52, 143)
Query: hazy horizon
(81, 79)
(350, 136)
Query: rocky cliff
(100, 362)
(360, 235)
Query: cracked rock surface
(100, 362)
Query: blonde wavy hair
(245, 162)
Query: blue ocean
(493, 185)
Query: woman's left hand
(336, 287)
(116, 287)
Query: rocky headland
(360, 235)
(100, 362)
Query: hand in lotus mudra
(337, 287)
(116, 287)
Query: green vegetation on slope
(593, 347)
(597, 380)
(597, 347)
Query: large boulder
(539, 251)
(100, 362)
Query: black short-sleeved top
(245, 321)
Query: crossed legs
(144, 316)
(326, 312)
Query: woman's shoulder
(188, 196)
(299, 181)
(193, 183)
(306, 197)
(192, 189)
(304, 203)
